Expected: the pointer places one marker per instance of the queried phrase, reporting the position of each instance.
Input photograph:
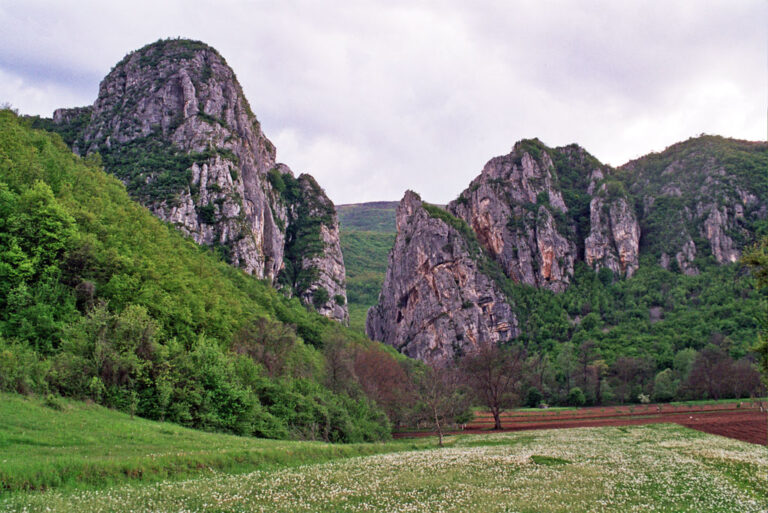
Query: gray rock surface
(435, 303)
(518, 213)
(614, 234)
(318, 275)
(180, 101)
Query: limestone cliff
(314, 269)
(518, 214)
(614, 232)
(518, 208)
(171, 122)
(435, 302)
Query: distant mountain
(574, 250)
(172, 123)
(375, 216)
(367, 235)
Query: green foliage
(720, 300)
(103, 301)
(533, 397)
(576, 397)
(702, 170)
(152, 169)
(757, 259)
(275, 178)
(320, 297)
(70, 129)
(207, 213)
(665, 386)
(534, 147)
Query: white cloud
(375, 97)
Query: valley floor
(658, 467)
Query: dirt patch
(745, 421)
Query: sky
(376, 97)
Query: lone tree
(495, 375)
(441, 398)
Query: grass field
(626, 469)
(84, 445)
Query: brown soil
(745, 421)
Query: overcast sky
(376, 97)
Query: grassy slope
(378, 216)
(625, 469)
(365, 257)
(85, 445)
(367, 235)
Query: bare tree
(587, 354)
(495, 375)
(441, 398)
(339, 362)
(630, 374)
(710, 372)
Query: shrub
(576, 397)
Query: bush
(533, 397)
(576, 397)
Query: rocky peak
(171, 122)
(435, 302)
(519, 215)
(314, 269)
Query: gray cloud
(375, 97)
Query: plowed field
(745, 421)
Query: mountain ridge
(538, 211)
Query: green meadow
(90, 459)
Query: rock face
(435, 302)
(314, 269)
(539, 210)
(514, 207)
(517, 208)
(614, 234)
(171, 122)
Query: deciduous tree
(495, 375)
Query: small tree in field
(442, 400)
(495, 375)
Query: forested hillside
(100, 300)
